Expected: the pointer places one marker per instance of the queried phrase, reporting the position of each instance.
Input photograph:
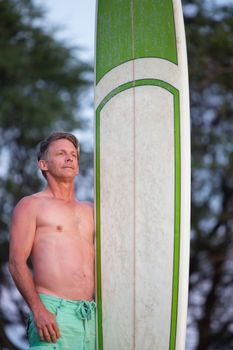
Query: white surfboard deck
(143, 201)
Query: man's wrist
(37, 306)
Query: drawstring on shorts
(84, 312)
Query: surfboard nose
(128, 30)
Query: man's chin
(66, 177)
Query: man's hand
(46, 325)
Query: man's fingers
(47, 335)
(54, 332)
(57, 330)
(41, 334)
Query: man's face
(61, 160)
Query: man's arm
(22, 235)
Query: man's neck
(61, 190)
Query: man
(57, 231)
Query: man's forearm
(44, 320)
(22, 277)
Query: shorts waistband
(55, 298)
(83, 308)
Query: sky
(76, 19)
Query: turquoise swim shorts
(76, 321)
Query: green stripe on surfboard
(130, 29)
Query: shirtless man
(57, 231)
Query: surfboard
(142, 175)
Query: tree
(209, 30)
(42, 85)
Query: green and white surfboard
(142, 185)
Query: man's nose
(69, 158)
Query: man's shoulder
(87, 206)
(29, 202)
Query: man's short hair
(44, 145)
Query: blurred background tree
(42, 84)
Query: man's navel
(59, 228)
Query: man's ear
(42, 165)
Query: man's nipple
(59, 228)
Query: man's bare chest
(60, 216)
(68, 219)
